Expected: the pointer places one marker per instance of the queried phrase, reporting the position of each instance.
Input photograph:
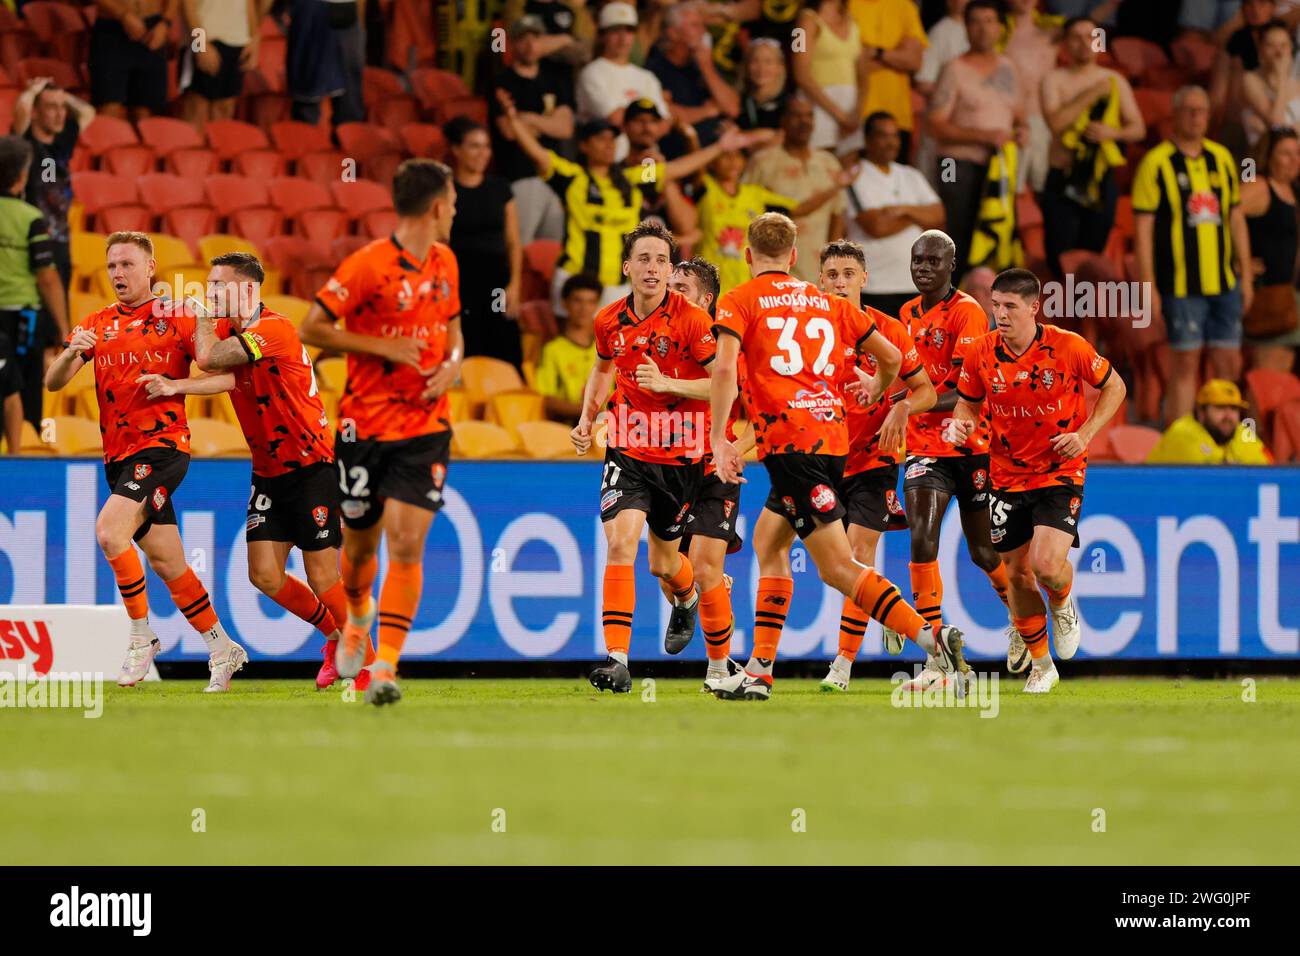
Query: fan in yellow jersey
(601, 201)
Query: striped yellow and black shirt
(596, 215)
(1192, 199)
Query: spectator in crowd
(214, 63)
(1192, 244)
(567, 30)
(543, 94)
(666, 202)
(1271, 92)
(766, 85)
(611, 81)
(793, 168)
(762, 19)
(830, 67)
(1031, 44)
(485, 239)
(890, 205)
(128, 56)
(51, 120)
(11, 398)
(894, 40)
(1091, 112)
(978, 284)
(1272, 326)
(978, 107)
(945, 42)
(601, 199)
(324, 59)
(1239, 56)
(28, 278)
(697, 95)
(1213, 433)
(566, 359)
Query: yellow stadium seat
(210, 438)
(76, 217)
(482, 440)
(290, 306)
(170, 251)
(88, 259)
(198, 406)
(218, 244)
(30, 443)
(86, 404)
(220, 409)
(332, 374)
(181, 282)
(509, 409)
(82, 304)
(331, 403)
(458, 399)
(545, 439)
(483, 377)
(75, 436)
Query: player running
(254, 354)
(869, 490)
(146, 452)
(942, 321)
(1031, 377)
(656, 446)
(398, 300)
(792, 337)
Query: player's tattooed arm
(649, 377)
(70, 360)
(595, 392)
(160, 386)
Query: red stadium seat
(393, 113)
(321, 225)
(1272, 389)
(381, 88)
(474, 107)
(324, 168)
(16, 38)
(260, 164)
(541, 257)
(257, 224)
(376, 149)
(64, 75)
(166, 135)
(98, 191)
(131, 161)
(124, 219)
(378, 223)
(295, 139)
(1156, 107)
(344, 246)
(292, 196)
(1132, 443)
(1195, 53)
(60, 27)
(164, 191)
(105, 133)
(306, 264)
(434, 87)
(228, 193)
(1286, 433)
(423, 139)
(538, 318)
(190, 223)
(1135, 56)
(361, 197)
(193, 163)
(229, 138)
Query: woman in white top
(1271, 93)
(831, 69)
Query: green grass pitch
(1183, 771)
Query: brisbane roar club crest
(320, 514)
(979, 479)
(142, 471)
(1049, 378)
(662, 344)
(1075, 504)
(439, 473)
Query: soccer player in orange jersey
(398, 300)
(942, 321)
(1029, 375)
(792, 337)
(254, 354)
(655, 443)
(870, 486)
(146, 452)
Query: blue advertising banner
(1175, 562)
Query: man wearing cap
(1213, 433)
(611, 81)
(543, 96)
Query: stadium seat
(258, 225)
(472, 439)
(1156, 107)
(295, 140)
(290, 306)
(537, 318)
(360, 197)
(181, 282)
(166, 135)
(305, 264)
(194, 163)
(540, 259)
(89, 257)
(228, 193)
(217, 244)
(229, 138)
(131, 161)
(321, 225)
(64, 74)
(60, 28)
(107, 133)
(1029, 227)
(124, 219)
(30, 443)
(97, 191)
(378, 224)
(260, 164)
(473, 107)
(1132, 443)
(435, 88)
(1285, 445)
(344, 246)
(291, 196)
(170, 251)
(509, 408)
(458, 406)
(332, 374)
(190, 223)
(484, 377)
(423, 139)
(390, 114)
(76, 436)
(82, 304)
(1135, 56)
(1195, 53)
(1272, 389)
(388, 103)
(325, 168)
(210, 438)
(165, 191)
(376, 149)
(543, 439)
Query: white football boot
(837, 678)
(1065, 629)
(139, 655)
(224, 668)
(1018, 657)
(1042, 679)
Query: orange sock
(716, 620)
(336, 600)
(299, 600)
(769, 615)
(927, 591)
(398, 600)
(359, 582)
(1058, 598)
(853, 628)
(1033, 631)
(617, 604)
(998, 578)
(192, 598)
(130, 581)
(683, 582)
(887, 605)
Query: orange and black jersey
(793, 338)
(940, 334)
(382, 290)
(864, 421)
(652, 426)
(1030, 399)
(275, 396)
(154, 337)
